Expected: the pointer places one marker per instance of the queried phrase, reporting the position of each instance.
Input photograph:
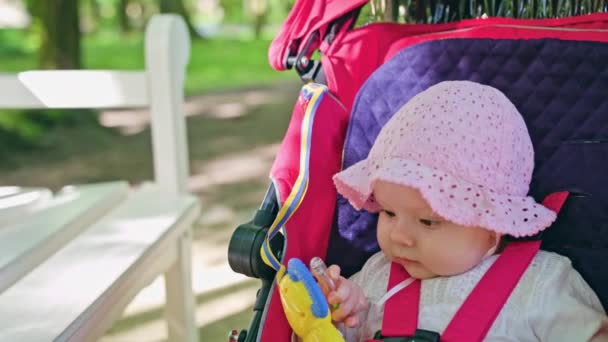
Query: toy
(319, 270)
(305, 306)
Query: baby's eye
(388, 213)
(429, 223)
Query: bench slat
(25, 244)
(17, 202)
(92, 274)
(74, 89)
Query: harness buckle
(420, 335)
(308, 69)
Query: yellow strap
(314, 93)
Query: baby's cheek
(455, 261)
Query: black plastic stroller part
(244, 256)
(310, 70)
(246, 241)
(420, 335)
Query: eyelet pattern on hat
(466, 148)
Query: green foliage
(23, 130)
(233, 11)
(225, 63)
(441, 11)
(16, 44)
(216, 64)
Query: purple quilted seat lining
(561, 89)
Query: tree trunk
(60, 33)
(391, 10)
(257, 10)
(95, 11)
(178, 7)
(123, 19)
(259, 21)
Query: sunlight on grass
(217, 313)
(218, 331)
(217, 63)
(102, 154)
(222, 105)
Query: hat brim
(452, 198)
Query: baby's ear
(498, 238)
(500, 242)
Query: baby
(449, 175)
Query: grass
(101, 154)
(216, 331)
(215, 65)
(219, 331)
(219, 63)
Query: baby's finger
(352, 321)
(340, 295)
(345, 310)
(361, 304)
(334, 272)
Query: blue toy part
(298, 271)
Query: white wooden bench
(70, 264)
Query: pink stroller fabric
(355, 54)
(305, 18)
(308, 223)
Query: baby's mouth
(404, 261)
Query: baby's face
(411, 234)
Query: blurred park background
(237, 107)
(237, 111)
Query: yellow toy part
(304, 305)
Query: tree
(123, 19)
(257, 11)
(178, 7)
(95, 12)
(441, 11)
(58, 23)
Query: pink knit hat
(466, 148)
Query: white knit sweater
(551, 302)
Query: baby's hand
(349, 296)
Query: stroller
(554, 70)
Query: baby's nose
(403, 235)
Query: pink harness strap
(478, 312)
(401, 310)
